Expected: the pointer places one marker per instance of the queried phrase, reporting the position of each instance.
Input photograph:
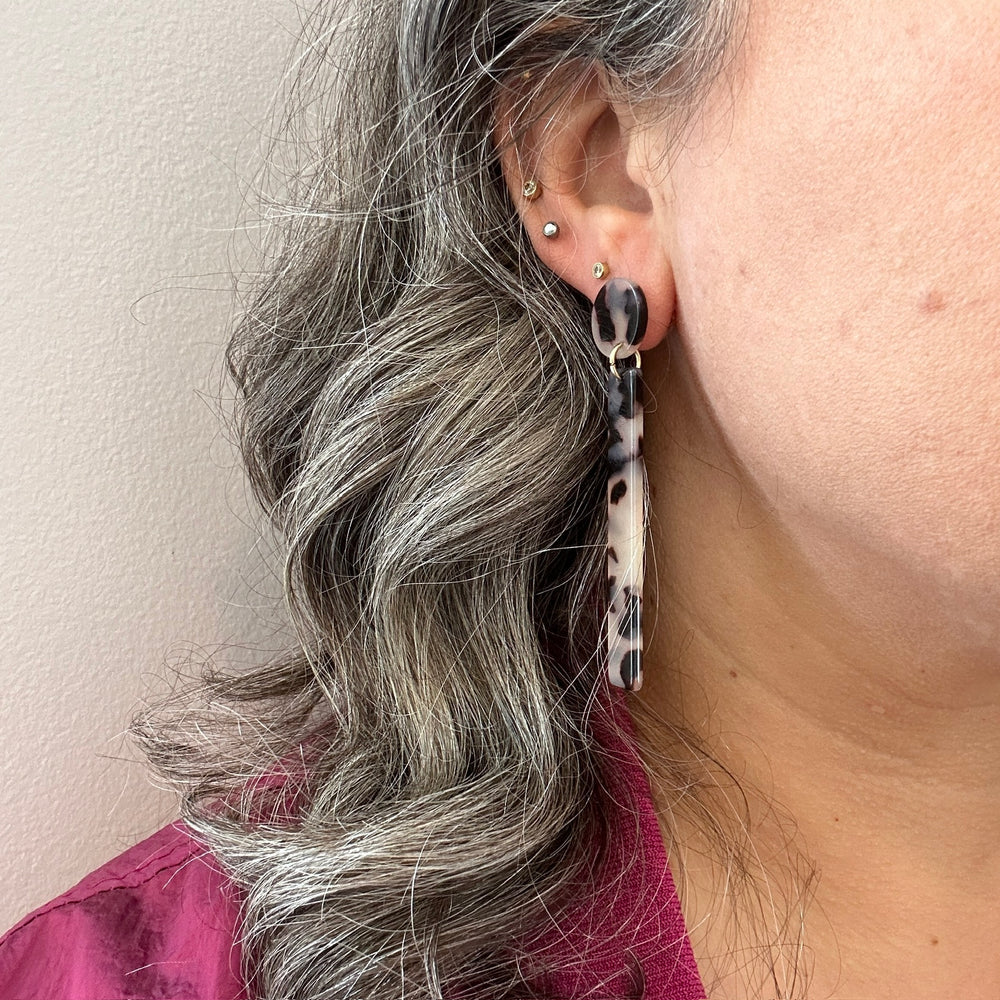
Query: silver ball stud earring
(550, 230)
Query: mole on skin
(932, 302)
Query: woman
(439, 794)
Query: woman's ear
(577, 173)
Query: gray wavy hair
(418, 404)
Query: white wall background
(126, 132)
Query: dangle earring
(618, 324)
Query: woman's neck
(855, 713)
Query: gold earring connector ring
(613, 358)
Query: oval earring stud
(599, 270)
(550, 230)
(531, 190)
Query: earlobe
(585, 205)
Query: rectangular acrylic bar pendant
(626, 528)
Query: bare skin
(882, 755)
(824, 459)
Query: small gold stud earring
(599, 270)
(531, 190)
(550, 230)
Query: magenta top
(160, 920)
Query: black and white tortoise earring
(618, 324)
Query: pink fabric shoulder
(158, 921)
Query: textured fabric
(156, 922)
(159, 921)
